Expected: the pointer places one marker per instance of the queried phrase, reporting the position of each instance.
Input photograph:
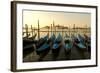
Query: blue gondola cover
(80, 45)
(68, 46)
(43, 47)
(55, 46)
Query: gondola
(80, 38)
(28, 46)
(44, 46)
(27, 41)
(43, 50)
(41, 41)
(79, 43)
(87, 42)
(78, 46)
(67, 44)
(52, 39)
(57, 46)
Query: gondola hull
(41, 41)
(67, 48)
(56, 50)
(56, 47)
(43, 48)
(80, 46)
(28, 46)
(27, 50)
(43, 51)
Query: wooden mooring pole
(26, 27)
(62, 32)
(32, 30)
(69, 31)
(51, 29)
(38, 30)
(54, 27)
(48, 31)
(74, 29)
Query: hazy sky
(61, 18)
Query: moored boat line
(53, 43)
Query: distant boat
(57, 46)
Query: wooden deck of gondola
(75, 54)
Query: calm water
(44, 32)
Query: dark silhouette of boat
(28, 45)
(57, 46)
(28, 41)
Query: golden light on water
(62, 18)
